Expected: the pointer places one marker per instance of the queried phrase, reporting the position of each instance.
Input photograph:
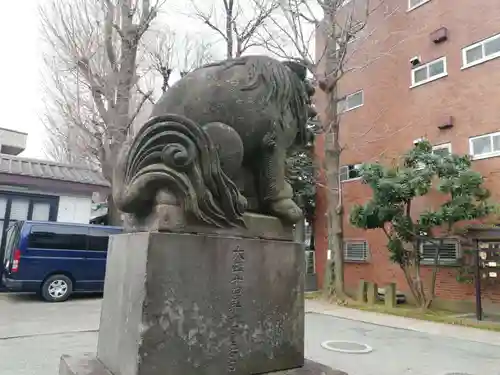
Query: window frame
(345, 99)
(427, 65)
(487, 155)
(484, 59)
(412, 7)
(366, 251)
(446, 262)
(442, 146)
(348, 179)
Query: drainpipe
(479, 308)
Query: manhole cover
(346, 347)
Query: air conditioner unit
(415, 60)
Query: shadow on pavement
(30, 297)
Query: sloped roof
(46, 169)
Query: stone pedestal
(201, 304)
(89, 365)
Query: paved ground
(34, 334)
(448, 330)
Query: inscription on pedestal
(237, 269)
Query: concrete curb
(409, 324)
(55, 333)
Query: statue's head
(299, 70)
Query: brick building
(431, 70)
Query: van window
(58, 237)
(13, 237)
(99, 238)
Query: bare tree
(92, 50)
(292, 33)
(168, 51)
(236, 22)
(68, 117)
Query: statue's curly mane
(174, 152)
(284, 87)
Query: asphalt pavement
(34, 334)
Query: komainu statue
(215, 146)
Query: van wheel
(57, 288)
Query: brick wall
(393, 115)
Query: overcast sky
(20, 94)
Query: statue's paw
(243, 203)
(287, 210)
(269, 140)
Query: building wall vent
(440, 35)
(447, 124)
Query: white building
(33, 189)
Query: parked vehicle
(55, 259)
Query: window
(13, 237)
(350, 172)
(58, 237)
(448, 251)
(412, 4)
(99, 238)
(478, 53)
(485, 146)
(310, 262)
(356, 251)
(443, 149)
(19, 209)
(350, 102)
(41, 211)
(429, 72)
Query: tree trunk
(114, 215)
(229, 6)
(108, 164)
(334, 272)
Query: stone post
(390, 295)
(362, 289)
(372, 293)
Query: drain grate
(346, 347)
(457, 373)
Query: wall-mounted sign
(489, 254)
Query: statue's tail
(172, 152)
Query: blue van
(55, 259)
